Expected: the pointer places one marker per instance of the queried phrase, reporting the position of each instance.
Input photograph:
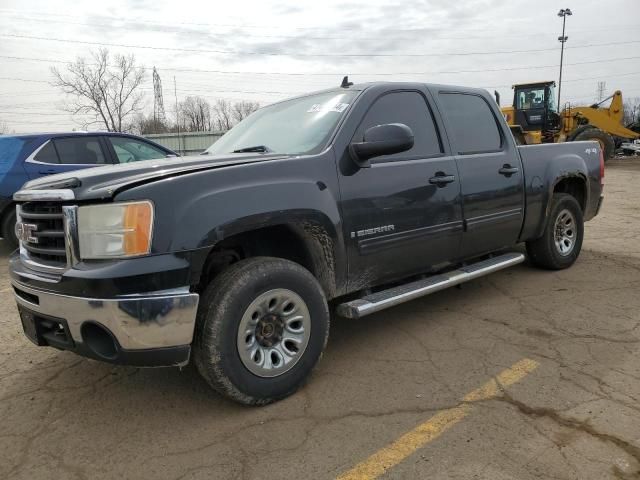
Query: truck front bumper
(149, 330)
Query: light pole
(563, 38)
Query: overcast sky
(249, 49)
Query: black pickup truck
(352, 199)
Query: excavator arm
(608, 120)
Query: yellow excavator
(534, 118)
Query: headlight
(115, 230)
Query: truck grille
(48, 245)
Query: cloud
(328, 27)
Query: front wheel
(561, 242)
(262, 326)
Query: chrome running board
(410, 291)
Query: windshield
(301, 125)
(528, 98)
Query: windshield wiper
(256, 148)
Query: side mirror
(381, 140)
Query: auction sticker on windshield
(318, 107)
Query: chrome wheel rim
(274, 332)
(565, 232)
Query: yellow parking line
(397, 451)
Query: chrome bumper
(156, 320)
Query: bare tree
(145, 124)
(110, 93)
(4, 128)
(632, 110)
(223, 114)
(243, 109)
(196, 114)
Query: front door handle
(49, 171)
(507, 170)
(441, 179)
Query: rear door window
(80, 151)
(132, 150)
(47, 154)
(473, 126)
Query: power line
(299, 54)
(208, 92)
(37, 113)
(24, 80)
(23, 94)
(336, 74)
(293, 92)
(267, 92)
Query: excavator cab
(534, 108)
(534, 118)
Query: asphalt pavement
(524, 374)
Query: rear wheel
(561, 242)
(262, 326)
(9, 228)
(607, 144)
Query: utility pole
(175, 93)
(601, 88)
(562, 39)
(159, 117)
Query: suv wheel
(262, 326)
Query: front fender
(216, 215)
(198, 210)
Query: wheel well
(306, 245)
(575, 187)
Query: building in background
(189, 143)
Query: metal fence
(191, 143)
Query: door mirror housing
(380, 140)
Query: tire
(546, 251)
(572, 136)
(239, 300)
(607, 144)
(9, 228)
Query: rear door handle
(50, 171)
(507, 170)
(441, 179)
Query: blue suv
(25, 157)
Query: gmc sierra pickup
(358, 198)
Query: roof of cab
(367, 85)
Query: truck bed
(545, 165)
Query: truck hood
(107, 181)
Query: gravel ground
(574, 415)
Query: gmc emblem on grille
(24, 232)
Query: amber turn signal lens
(115, 230)
(138, 218)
